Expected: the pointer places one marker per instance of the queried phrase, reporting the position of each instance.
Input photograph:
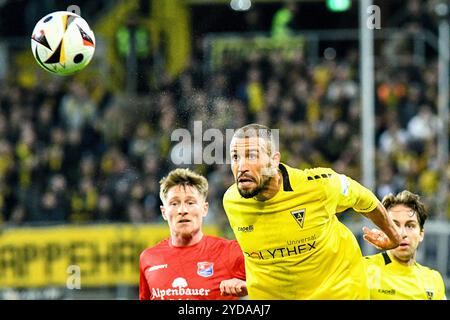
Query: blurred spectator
(411, 21)
(414, 18)
(135, 212)
(55, 204)
(423, 125)
(387, 182)
(392, 137)
(105, 208)
(77, 108)
(141, 142)
(84, 201)
(410, 105)
(119, 178)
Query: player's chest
(414, 286)
(185, 279)
(268, 236)
(290, 216)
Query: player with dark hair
(395, 274)
(190, 265)
(285, 222)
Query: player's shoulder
(381, 258)
(220, 243)
(318, 173)
(308, 175)
(232, 193)
(160, 246)
(218, 240)
(428, 270)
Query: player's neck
(182, 240)
(405, 262)
(271, 189)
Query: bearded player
(285, 222)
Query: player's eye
(253, 155)
(234, 157)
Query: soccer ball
(62, 43)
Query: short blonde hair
(409, 200)
(183, 177)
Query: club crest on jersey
(299, 216)
(205, 269)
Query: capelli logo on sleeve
(245, 228)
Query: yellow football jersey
(391, 280)
(294, 245)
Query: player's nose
(182, 209)
(242, 165)
(402, 231)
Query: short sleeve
(439, 285)
(144, 291)
(351, 194)
(237, 261)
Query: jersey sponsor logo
(299, 216)
(302, 240)
(245, 228)
(282, 252)
(179, 288)
(205, 269)
(179, 283)
(160, 266)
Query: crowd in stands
(75, 152)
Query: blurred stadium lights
(240, 5)
(338, 5)
(441, 9)
(208, 2)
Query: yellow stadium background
(105, 254)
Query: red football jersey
(189, 273)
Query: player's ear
(205, 209)
(163, 213)
(276, 158)
(421, 235)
